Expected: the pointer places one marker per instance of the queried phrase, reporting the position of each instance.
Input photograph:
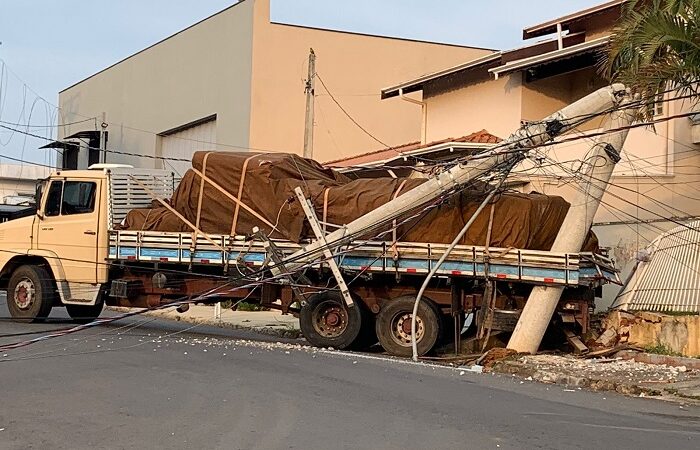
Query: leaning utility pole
(601, 161)
(309, 90)
(508, 152)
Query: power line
(139, 155)
(27, 125)
(23, 161)
(347, 114)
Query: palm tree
(656, 46)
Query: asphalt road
(146, 383)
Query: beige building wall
(203, 70)
(249, 73)
(354, 67)
(493, 105)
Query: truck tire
(85, 313)
(326, 321)
(31, 293)
(394, 326)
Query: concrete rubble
(625, 376)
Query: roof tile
(480, 137)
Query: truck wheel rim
(24, 293)
(330, 319)
(401, 328)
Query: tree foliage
(656, 46)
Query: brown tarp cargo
(265, 183)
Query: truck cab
(57, 257)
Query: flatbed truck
(72, 253)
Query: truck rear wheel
(30, 294)
(394, 326)
(326, 321)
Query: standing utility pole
(591, 185)
(103, 138)
(309, 90)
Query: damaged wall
(677, 334)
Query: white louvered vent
(129, 189)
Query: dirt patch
(495, 355)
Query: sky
(47, 45)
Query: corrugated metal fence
(667, 279)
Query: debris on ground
(625, 376)
(494, 355)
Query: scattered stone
(608, 338)
(627, 377)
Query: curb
(652, 358)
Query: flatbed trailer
(151, 268)
(584, 269)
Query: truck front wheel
(326, 321)
(394, 326)
(30, 294)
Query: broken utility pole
(605, 153)
(309, 89)
(511, 150)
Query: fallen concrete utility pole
(601, 161)
(511, 150)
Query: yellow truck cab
(58, 256)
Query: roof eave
(521, 64)
(417, 84)
(550, 26)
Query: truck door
(69, 228)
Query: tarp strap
(244, 169)
(197, 231)
(232, 197)
(201, 189)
